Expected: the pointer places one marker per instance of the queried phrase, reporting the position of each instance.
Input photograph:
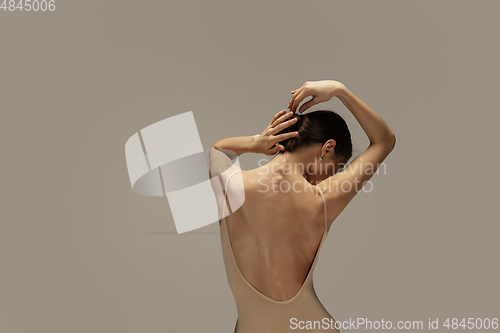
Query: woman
(273, 235)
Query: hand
(321, 91)
(265, 142)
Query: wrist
(253, 143)
(341, 91)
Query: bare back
(276, 232)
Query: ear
(331, 144)
(328, 146)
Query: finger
(282, 119)
(275, 149)
(284, 136)
(282, 126)
(277, 115)
(299, 98)
(294, 93)
(307, 105)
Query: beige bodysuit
(258, 313)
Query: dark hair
(319, 127)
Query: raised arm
(377, 131)
(236, 146)
(264, 143)
(341, 188)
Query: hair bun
(318, 127)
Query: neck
(296, 163)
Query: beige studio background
(80, 252)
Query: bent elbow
(389, 142)
(393, 141)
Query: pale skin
(295, 217)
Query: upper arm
(221, 168)
(341, 188)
